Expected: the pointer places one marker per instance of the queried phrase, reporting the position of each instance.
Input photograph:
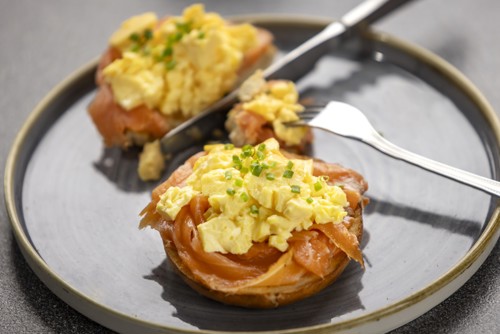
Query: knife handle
(300, 60)
(370, 11)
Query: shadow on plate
(339, 298)
(120, 167)
(464, 227)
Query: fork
(347, 121)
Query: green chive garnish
(256, 170)
(167, 52)
(260, 155)
(228, 146)
(135, 37)
(254, 209)
(237, 162)
(183, 27)
(171, 65)
(261, 147)
(309, 200)
(201, 35)
(289, 165)
(318, 186)
(270, 176)
(247, 151)
(230, 191)
(295, 189)
(288, 174)
(238, 182)
(244, 196)
(148, 34)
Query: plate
(74, 204)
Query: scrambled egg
(179, 65)
(255, 195)
(151, 162)
(277, 102)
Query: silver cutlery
(347, 121)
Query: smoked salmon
(264, 277)
(123, 124)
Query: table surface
(44, 41)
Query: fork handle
(479, 182)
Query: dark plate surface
(74, 205)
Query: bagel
(270, 271)
(155, 74)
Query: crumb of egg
(252, 86)
(151, 162)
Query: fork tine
(306, 116)
(310, 112)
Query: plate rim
(116, 320)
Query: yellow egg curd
(277, 102)
(179, 65)
(256, 195)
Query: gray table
(43, 41)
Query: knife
(292, 66)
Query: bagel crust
(264, 277)
(270, 297)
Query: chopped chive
(318, 186)
(244, 196)
(260, 155)
(171, 65)
(184, 27)
(261, 147)
(201, 35)
(289, 165)
(148, 34)
(270, 176)
(135, 48)
(295, 189)
(247, 151)
(135, 37)
(237, 162)
(244, 170)
(309, 200)
(230, 191)
(167, 52)
(257, 170)
(238, 182)
(254, 209)
(228, 175)
(178, 36)
(228, 146)
(288, 174)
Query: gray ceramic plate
(74, 205)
